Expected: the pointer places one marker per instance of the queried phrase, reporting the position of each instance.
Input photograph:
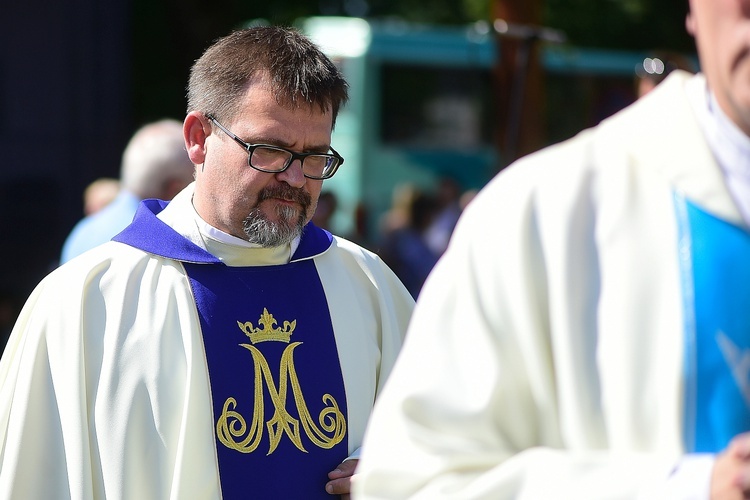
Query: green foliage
(621, 24)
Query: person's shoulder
(342, 246)
(662, 106)
(118, 213)
(657, 117)
(111, 259)
(79, 295)
(86, 234)
(100, 227)
(367, 269)
(353, 256)
(111, 274)
(556, 165)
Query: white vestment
(104, 384)
(545, 356)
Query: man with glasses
(221, 345)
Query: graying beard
(267, 234)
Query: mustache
(286, 192)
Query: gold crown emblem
(268, 331)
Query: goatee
(290, 220)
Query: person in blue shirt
(154, 165)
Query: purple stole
(715, 265)
(279, 404)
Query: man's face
(722, 33)
(265, 208)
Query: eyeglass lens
(272, 159)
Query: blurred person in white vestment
(586, 334)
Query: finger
(740, 446)
(339, 486)
(344, 469)
(742, 482)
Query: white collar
(181, 215)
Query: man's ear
(690, 24)
(195, 130)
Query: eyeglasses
(275, 159)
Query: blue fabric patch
(152, 235)
(715, 263)
(279, 406)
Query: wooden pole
(518, 82)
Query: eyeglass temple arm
(228, 132)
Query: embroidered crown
(267, 330)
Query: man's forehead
(262, 87)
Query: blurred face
(269, 209)
(722, 33)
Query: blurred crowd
(413, 234)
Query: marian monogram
(232, 428)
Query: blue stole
(715, 266)
(278, 395)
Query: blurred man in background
(154, 165)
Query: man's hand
(340, 478)
(730, 479)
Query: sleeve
(370, 311)
(473, 406)
(397, 306)
(43, 417)
(690, 480)
(103, 386)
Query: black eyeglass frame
(250, 148)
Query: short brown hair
(296, 70)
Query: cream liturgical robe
(586, 334)
(167, 364)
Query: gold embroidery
(268, 333)
(231, 424)
(231, 427)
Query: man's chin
(280, 211)
(269, 232)
(285, 224)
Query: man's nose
(293, 174)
